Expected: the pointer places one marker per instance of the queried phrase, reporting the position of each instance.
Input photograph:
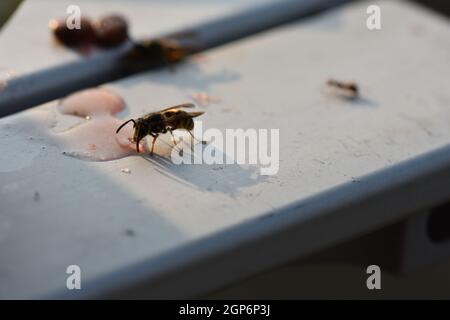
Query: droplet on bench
(90, 102)
(96, 139)
(204, 99)
(5, 76)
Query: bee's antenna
(193, 137)
(123, 124)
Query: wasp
(347, 89)
(163, 121)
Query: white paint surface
(272, 80)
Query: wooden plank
(102, 66)
(28, 27)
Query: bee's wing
(173, 118)
(180, 106)
(177, 115)
(195, 114)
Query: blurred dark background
(442, 6)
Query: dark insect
(159, 51)
(72, 37)
(347, 89)
(107, 32)
(111, 31)
(166, 120)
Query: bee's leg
(192, 140)
(137, 145)
(173, 138)
(153, 143)
(193, 137)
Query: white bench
(179, 231)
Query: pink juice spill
(96, 139)
(204, 99)
(92, 102)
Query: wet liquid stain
(204, 99)
(95, 138)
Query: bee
(163, 121)
(347, 89)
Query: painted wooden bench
(164, 230)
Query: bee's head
(140, 129)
